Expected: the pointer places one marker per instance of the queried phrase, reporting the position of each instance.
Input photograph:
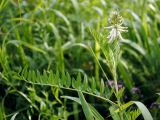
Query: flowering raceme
(116, 22)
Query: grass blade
(86, 109)
(145, 112)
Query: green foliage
(146, 114)
(93, 112)
(64, 45)
(87, 111)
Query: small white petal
(120, 36)
(109, 27)
(123, 27)
(122, 30)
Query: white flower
(116, 27)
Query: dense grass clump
(79, 59)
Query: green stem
(97, 54)
(72, 89)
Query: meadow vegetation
(79, 59)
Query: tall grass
(55, 62)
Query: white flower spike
(116, 21)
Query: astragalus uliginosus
(116, 28)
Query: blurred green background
(53, 35)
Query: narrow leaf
(87, 111)
(145, 112)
